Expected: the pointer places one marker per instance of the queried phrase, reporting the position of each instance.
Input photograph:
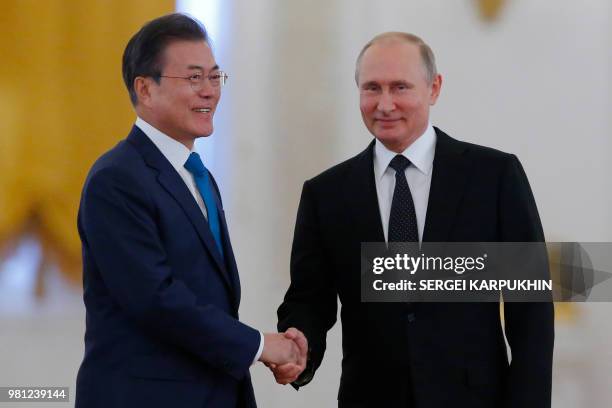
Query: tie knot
(399, 163)
(194, 165)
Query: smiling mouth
(387, 122)
(202, 110)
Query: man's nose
(385, 103)
(207, 89)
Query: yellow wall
(62, 103)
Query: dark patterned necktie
(402, 220)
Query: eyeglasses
(217, 79)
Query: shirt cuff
(260, 349)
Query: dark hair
(142, 54)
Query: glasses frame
(197, 85)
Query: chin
(205, 131)
(390, 142)
(388, 137)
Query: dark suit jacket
(431, 354)
(162, 323)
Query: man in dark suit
(161, 286)
(415, 183)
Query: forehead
(390, 61)
(185, 54)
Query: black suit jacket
(432, 354)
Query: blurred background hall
(527, 77)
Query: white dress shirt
(177, 154)
(421, 154)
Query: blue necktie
(201, 176)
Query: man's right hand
(289, 372)
(279, 350)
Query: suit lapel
(361, 197)
(172, 182)
(450, 171)
(230, 259)
(227, 246)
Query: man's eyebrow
(369, 83)
(201, 68)
(401, 82)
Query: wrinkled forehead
(391, 60)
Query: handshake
(285, 354)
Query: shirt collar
(173, 150)
(420, 153)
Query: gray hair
(427, 55)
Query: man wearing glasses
(161, 286)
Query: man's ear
(143, 88)
(436, 86)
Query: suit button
(411, 317)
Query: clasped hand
(285, 354)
